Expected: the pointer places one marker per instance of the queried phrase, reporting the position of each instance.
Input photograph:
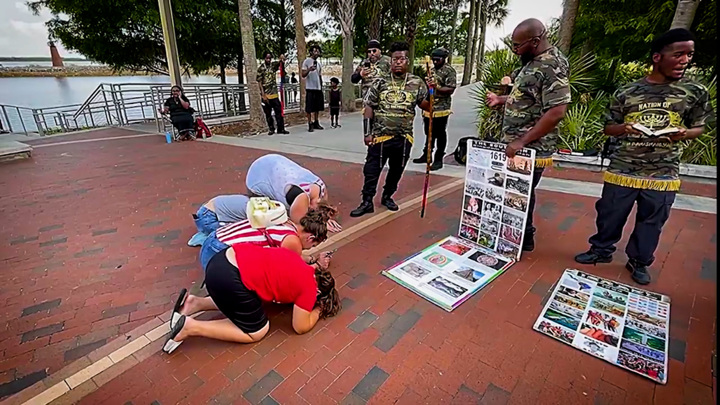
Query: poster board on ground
(618, 323)
(496, 197)
(449, 272)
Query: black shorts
(314, 101)
(335, 111)
(239, 304)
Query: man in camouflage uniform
(266, 77)
(376, 65)
(536, 104)
(444, 79)
(645, 168)
(391, 101)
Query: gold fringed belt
(383, 138)
(642, 182)
(437, 114)
(541, 162)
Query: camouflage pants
(613, 209)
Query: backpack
(460, 153)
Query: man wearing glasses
(390, 102)
(374, 66)
(445, 80)
(536, 104)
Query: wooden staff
(431, 90)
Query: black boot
(438, 160)
(639, 272)
(365, 207)
(316, 125)
(422, 159)
(283, 131)
(271, 131)
(311, 128)
(388, 202)
(591, 257)
(528, 244)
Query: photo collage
(613, 321)
(496, 198)
(449, 272)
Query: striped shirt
(306, 187)
(242, 232)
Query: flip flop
(171, 344)
(175, 314)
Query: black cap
(440, 53)
(373, 43)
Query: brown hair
(328, 299)
(315, 221)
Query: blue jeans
(206, 221)
(210, 248)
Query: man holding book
(650, 117)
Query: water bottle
(168, 137)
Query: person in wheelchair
(181, 114)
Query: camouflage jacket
(266, 75)
(444, 77)
(537, 87)
(681, 104)
(381, 68)
(393, 100)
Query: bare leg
(220, 329)
(194, 304)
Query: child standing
(335, 97)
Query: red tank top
(242, 232)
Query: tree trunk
(482, 21)
(223, 80)
(410, 31)
(257, 120)
(242, 106)
(301, 47)
(375, 18)
(467, 67)
(453, 32)
(567, 24)
(348, 89)
(685, 14)
(476, 27)
(283, 24)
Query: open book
(649, 132)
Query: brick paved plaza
(94, 252)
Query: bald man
(536, 104)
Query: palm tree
(413, 8)
(467, 67)
(685, 14)
(453, 32)
(474, 33)
(491, 12)
(257, 121)
(567, 24)
(301, 46)
(344, 13)
(373, 9)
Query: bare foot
(190, 305)
(185, 331)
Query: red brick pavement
(389, 346)
(93, 240)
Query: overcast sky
(24, 34)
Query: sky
(24, 34)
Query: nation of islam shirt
(393, 100)
(644, 163)
(266, 76)
(538, 86)
(381, 68)
(446, 76)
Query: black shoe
(420, 160)
(338, 126)
(271, 132)
(437, 165)
(528, 243)
(311, 128)
(640, 273)
(389, 203)
(365, 207)
(283, 132)
(591, 257)
(316, 125)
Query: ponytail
(328, 299)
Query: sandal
(175, 314)
(170, 343)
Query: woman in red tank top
(239, 279)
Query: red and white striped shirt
(306, 187)
(242, 232)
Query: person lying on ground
(239, 279)
(280, 179)
(218, 211)
(308, 232)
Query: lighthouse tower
(55, 55)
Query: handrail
(88, 100)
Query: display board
(449, 272)
(497, 196)
(618, 323)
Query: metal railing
(132, 103)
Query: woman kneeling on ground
(308, 232)
(239, 279)
(223, 209)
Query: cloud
(29, 28)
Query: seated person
(220, 210)
(307, 233)
(181, 114)
(239, 279)
(280, 179)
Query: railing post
(7, 119)
(38, 123)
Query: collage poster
(449, 272)
(618, 323)
(496, 198)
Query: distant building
(55, 55)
